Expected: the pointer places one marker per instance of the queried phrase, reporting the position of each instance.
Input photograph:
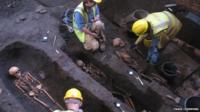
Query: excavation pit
(105, 77)
(54, 79)
(121, 85)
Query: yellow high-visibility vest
(165, 25)
(80, 9)
(159, 21)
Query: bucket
(137, 14)
(168, 70)
(192, 104)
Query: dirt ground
(22, 20)
(30, 21)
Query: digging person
(156, 29)
(73, 101)
(31, 87)
(87, 25)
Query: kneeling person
(87, 24)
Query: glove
(133, 46)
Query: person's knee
(95, 45)
(91, 44)
(99, 25)
(87, 47)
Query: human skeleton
(31, 87)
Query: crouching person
(87, 25)
(73, 101)
(157, 30)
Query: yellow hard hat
(73, 93)
(140, 27)
(97, 1)
(13, 70)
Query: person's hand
(133, 46)
(95, 19)
(94, 35)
